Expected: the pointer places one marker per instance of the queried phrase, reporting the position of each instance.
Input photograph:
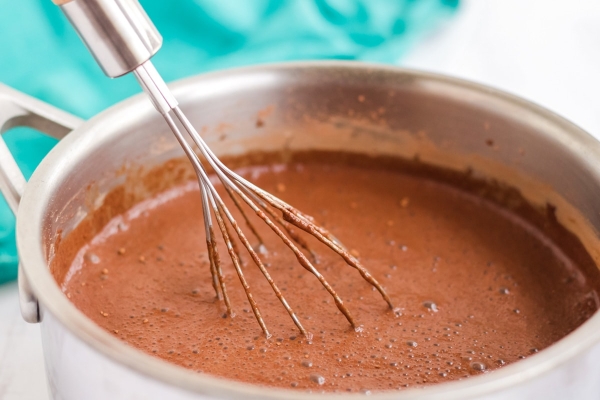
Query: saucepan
(354, 107)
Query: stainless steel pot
(325, 105)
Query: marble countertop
(547, 51)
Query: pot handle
(19, 109)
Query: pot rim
(53, 300)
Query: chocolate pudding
(479, 278)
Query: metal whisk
(122, 39)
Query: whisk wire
(290, 214)
(209, 241)
(212, 160)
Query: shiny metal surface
(155, 87)
(12, 181)
(118, 33)
(18, 109)
(329, 106)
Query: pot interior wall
(365, 110)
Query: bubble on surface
(92, 257)
(430, 305)
(478, 366)
(318, 379)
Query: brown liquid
(478, 287)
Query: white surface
(547, 51)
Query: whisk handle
(118, 33)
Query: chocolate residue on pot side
(482, 278)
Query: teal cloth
(42, 55)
